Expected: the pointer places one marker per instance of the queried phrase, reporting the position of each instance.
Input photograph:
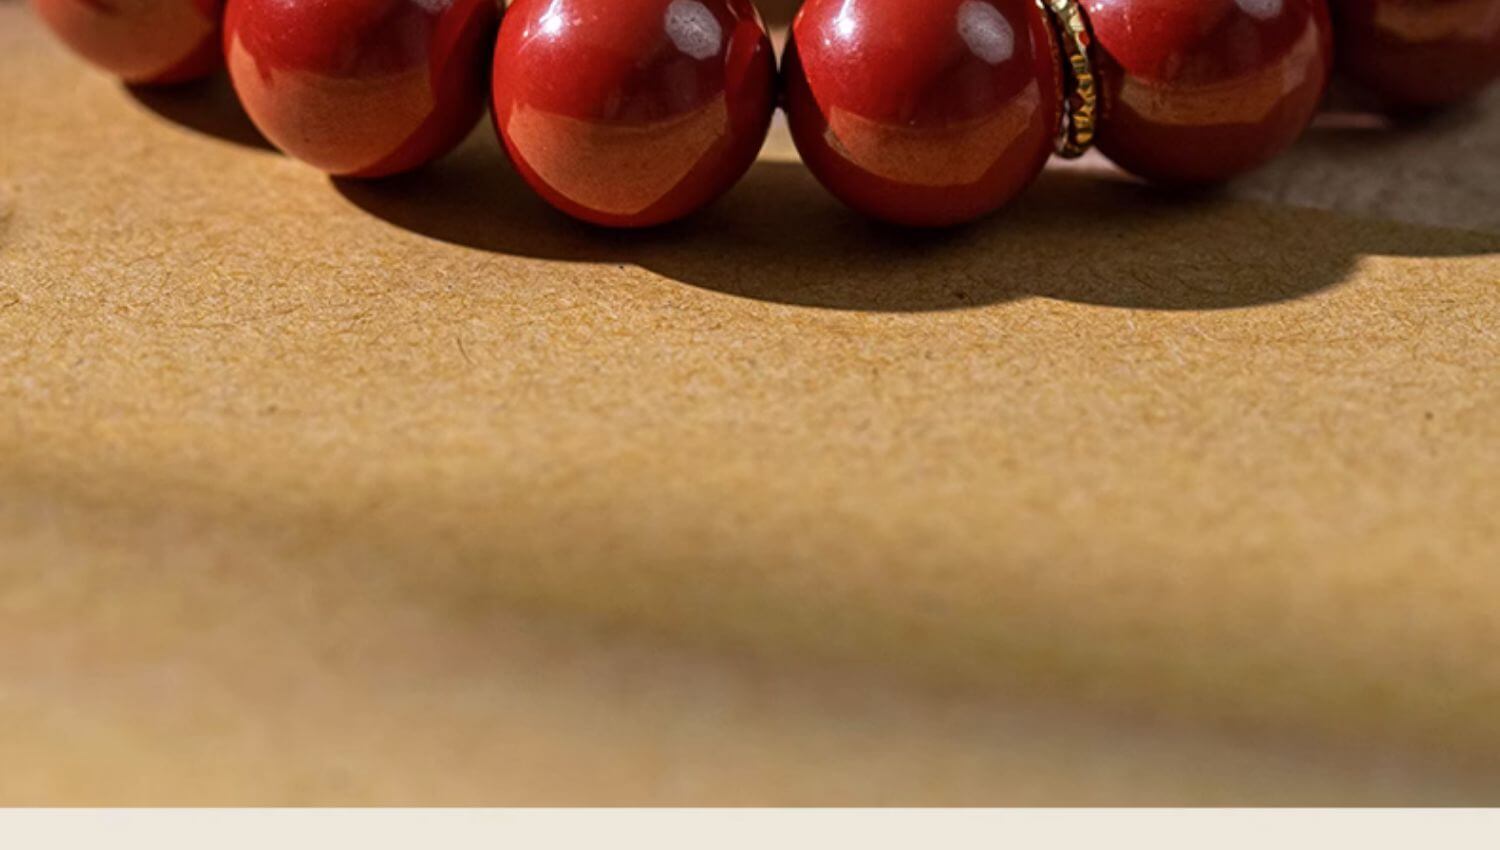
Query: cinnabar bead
(1419, 53)
(632, 113)
(146, 42)
(923, 114)
(361, 88)
(1199, 91)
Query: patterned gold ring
(1081, 107)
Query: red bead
(150, 42)
(926, 114)
(631, 113)
(1419, 53)
(361, 88)
(1198, 91)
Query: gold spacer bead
(1081, 108)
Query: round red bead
(1419, 53)
(148, 42)
(631, 113)
(1201, 91)
(925, 114)
(361, 88)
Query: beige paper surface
(417, 492)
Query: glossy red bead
(148, 42)
(631, 113)
(1419, 53)
(924, 114)
(1198, 91)
(361, 88)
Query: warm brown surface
(416, 492)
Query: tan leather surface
(417, 492)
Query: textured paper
(417, 492)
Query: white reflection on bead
(845, 23)
(1264, 10)
(694, 29)
(553, 19)
(986, 31)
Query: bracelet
(926, 113)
